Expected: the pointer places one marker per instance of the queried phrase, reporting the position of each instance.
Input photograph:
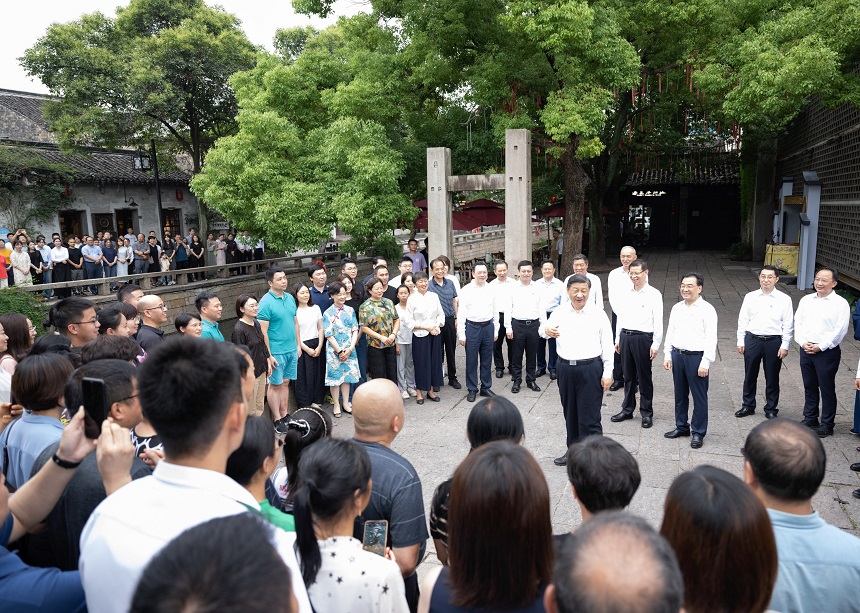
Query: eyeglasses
(688, 285)
(767, 277)
(161, 306)
(94, 320)
(127, 398)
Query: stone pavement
(434, 438)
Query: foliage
(32, 189)
(740, 252)
(15, 300)
(158, 70)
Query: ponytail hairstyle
(305, 427)
(330, 473)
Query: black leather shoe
(533, 386)
(677, 433)
(616, 385)
(823, 431)
(454, 383)
(855, 467)
(622, 416)
(562, 461)
(515, 388)
(770, 414)
(810, 424)
(646, 422)
(856, 493)
(553, 376)
(697, 441)
(471, 395)
(434, 398)
(487, 393)
(744, 412)
(540, 373)
(500, 372)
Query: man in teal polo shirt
(277, 316)
(209, 306)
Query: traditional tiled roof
(724, 171)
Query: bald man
(619, 284)
(615, 562)
(153, 314)
(378, 415)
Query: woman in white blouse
(62, 273)
(334, 489)
(425, 316)
(124, 255)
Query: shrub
(15, 300)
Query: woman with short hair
(340, 327)
(380, 323)
(425, 316)
(188, 324)
(249, 333)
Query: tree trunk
(575, 181)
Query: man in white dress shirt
(193, 394)
(552, 290)
(765, 324)
(691, 348)
(618, 284)
(580, 267)
(820, 324)
(637, 338)
(502, 286)
(477, 330)
(584, 342)
(527, 317)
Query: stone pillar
(518, 197)
(439, 231)
(808, 229)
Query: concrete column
(439, 231)
(808, 229)
(518, 196)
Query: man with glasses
(75, 318)
(820, 324)
(765, 324)
(153, 313)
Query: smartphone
(95, 406)
(375, 536)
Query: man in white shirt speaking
(765, 324)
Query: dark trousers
(617, 370)
(525, 340)
(93, 271)
(413, 592)
(581, 394)
(382, 362)
(479, 344)
(427, 356)
(636, 366)
(819, 374)
(497, 346)
(856, 412)
(449, 344)
(685, 374)
(756, 352)
(309, 381)
(541, 353)
(361, 356)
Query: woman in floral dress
(340, 326)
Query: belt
(579, 362)
(527, 322)
(686, 352)
(480, 324)
(763, 337)
(636, 333)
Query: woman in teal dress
(340, 326)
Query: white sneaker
(411, 392)
(314, 405)
(404, 395)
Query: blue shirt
(280, 312)
(27, 437)
(418, 261)
(24, 589)
(95, 251)
(446, 292)
(211, 331)
(819, 565)
(321, 298)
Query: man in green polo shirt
(209, 306)
(277, 316)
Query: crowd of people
(144, 509)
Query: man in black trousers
(527, 315)
(447, 292)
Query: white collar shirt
(582, 335)
(503, 292)
(526, 302)
(477, 303)
(693, 328)
(823, 321)
(59, 254)
(595, 291)
(423, 310)
(618, 283)
(551, 292)
(766, 315)
(131, 525)
(643, 311)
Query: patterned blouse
(379, 316)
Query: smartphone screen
(375, 536)
(95, 405)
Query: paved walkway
(434, 437)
